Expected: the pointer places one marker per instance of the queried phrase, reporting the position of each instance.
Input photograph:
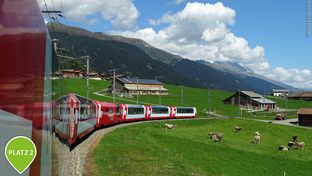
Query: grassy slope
(191, 97)
(147, 149)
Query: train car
(25, 84)
(183, 112)
(74, 117)
(134, 112)
(160, 112)
(107, 113)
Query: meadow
(148, 149)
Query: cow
(216, 136)
(170, 126)
(211, 134)
(283, 148)
(299, 146)
(257, 138)
(237, 129)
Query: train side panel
(185, 112)
(135, 112)
(160, 112)
(25, 85)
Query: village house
(71, 73)
(280, 92)
(306, 96)
(94, 76)
(250, 100)
(132, 86)
(305, 116)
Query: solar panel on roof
(140, 81)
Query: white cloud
(295, 77)
(121, 13)
(201, 31)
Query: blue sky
(278, 26)
(267, 36)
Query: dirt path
(73, 163)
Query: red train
(76, 116)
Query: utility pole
(159, 94)
(286, 104)
(114, 84)
(114, 88)
(239, 110)
(137, 83)
(54, 42)
(264, 97)
(87, 58)
(181, 94)
(209, 99)
(137, 80)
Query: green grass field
(147, 149)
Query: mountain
(230, 67)
(135, 57)
(237, 69)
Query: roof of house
(280, 90)
(263, 101)
(139, 81)
(251, 94)
(302, 94)
(305, 111)
(145, 88)
(71, 70)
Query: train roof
(159, 106)
(133, 106)
(105, 103)
(184, 107)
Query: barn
(305, 116)
(306, 96)
(250, 100)
(133, 86)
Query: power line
(48, 13)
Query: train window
(118, 111)
(84, 112)
(76, 114)
(185, 110)
(135, 110)
(109, 111)
(159, 110)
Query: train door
(173, 111)
(118, 116)
(148, 112)
(73, 119)
(123, 112)
(99, 114)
